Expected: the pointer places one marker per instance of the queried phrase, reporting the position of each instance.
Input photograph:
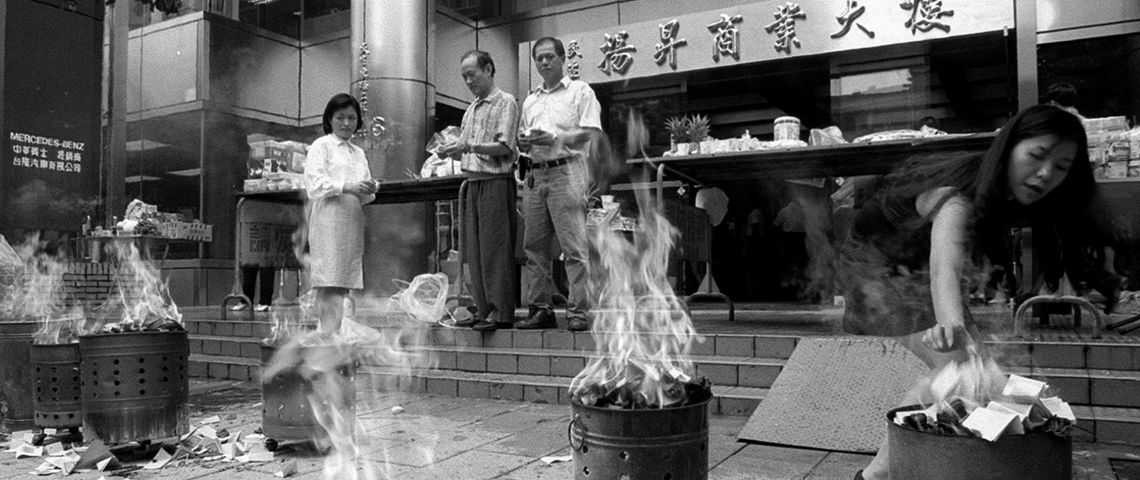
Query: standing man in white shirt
(486, 147)
(559, 118)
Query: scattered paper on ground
(287, 469)
(160, 460)
(551, 460)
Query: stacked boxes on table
(275, 165)
(1114, 150)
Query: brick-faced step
(233, 328)
(245, 347)
(1108, 388)
(719, 344)
(1107, 424)
(224, 367)
(530, 388)
(721, 370)
(1117, 353)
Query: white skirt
(336, 242)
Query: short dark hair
(558, 48)
(338, 102)
(483, 59)
(1062, 93)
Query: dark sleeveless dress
(883, 268)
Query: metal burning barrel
(134, 385)
(287, 414)
(667, 443)
(57, 390)
(16, 411)
(930, 456)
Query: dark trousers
(488, 245)
(248, 282)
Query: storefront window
(163, 167)
(325, 17)
(957, 85)
(225, 167)
(1097, 77)
(1104, 72)
(281, 16)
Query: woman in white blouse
(339, 184)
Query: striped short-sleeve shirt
(491, 119)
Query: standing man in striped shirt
(487, 152)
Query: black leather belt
(553, 163)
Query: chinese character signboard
(771, 30)
(50, 170)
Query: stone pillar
(392, 62)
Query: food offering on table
(437, 165)
(144, 220)
(275, 165)
(689, 135)
(610, 214)
(1114, 149)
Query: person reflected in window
(1103, 276)
(339, 183)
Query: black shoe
(468, 323)
(485, 326)
(577, 323)
(539, 318)
(859, 475)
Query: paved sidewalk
(440, 438)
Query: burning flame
(35, 291)
(381, 337)
(143, 296)
(975, 381)
(642, 331)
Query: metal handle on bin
(570, 433)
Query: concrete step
(743, 371)
(729, 344)
(720, 369)
(1102, 388)
(1065, 351)
(1044, 351)
(1107, 424)
(1095, 423)
(729, 400)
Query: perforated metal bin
(56, 384)
(134, 385)
(287, 411)
(668, 443)
(16, 411)
(930, 456)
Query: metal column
(392, 63)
